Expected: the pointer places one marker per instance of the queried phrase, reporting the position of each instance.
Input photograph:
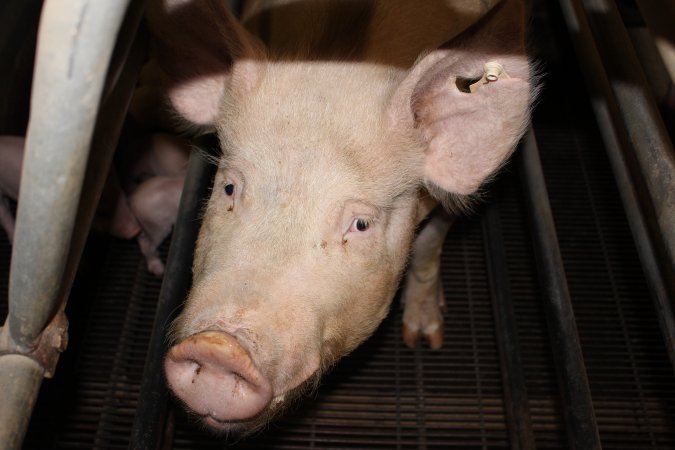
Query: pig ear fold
(201, 48)
(466, 136)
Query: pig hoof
(156, 267)
(217, 379)
(434, 338)
(423, 315)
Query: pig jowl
(339, 134)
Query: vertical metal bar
(619, 144)
(653, 149)
(576, 395)
(517, 405)
(75, 42)
(152, 402)
(69, 76)
(21, 378)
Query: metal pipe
(69, 76)
(575, 392)
(653, 149)
(516, 401)
(75, 42)
(658, 270)
(21, 379)
(148, 428)
(128, 57)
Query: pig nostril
(215, 376)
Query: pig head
(337, 136)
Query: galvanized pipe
(575, 392)
(658, 269)
(21, 378)
(641, 118)
(148, 428)
(75, 42)
(516, 403)
(128, 57)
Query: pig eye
(360, 224)
(229, 189)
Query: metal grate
(629, 371)
(92, 401)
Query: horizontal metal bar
(575, 392)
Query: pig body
(11, 160)
(152, 180)
(338, 138)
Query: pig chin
(274, 409)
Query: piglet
(141, 203)
(153, 179)
(11, 160)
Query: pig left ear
(467, 131)
(200, 47)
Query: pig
(11, 157)
(343, 125)
(140, 203)
(153, 183)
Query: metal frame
(638, 146)
(55, 211)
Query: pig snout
(216, 378)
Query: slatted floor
(387, 396)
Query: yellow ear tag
(492, 71)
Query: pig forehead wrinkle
(312, 100)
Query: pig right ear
(197, 44)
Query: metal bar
(69, 75)
(128, 57)
(21, 379)
(150, 416)
(653, 149)
(75, 42)
(575, 392)
(658, 269)
(516, 401)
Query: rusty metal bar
(75, 42)
(516, 403)
(632, 149)
(582, 428)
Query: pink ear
(468, 136)
(198, 46)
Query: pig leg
(11, 159)
(6, 218)
(423, 292)
(155, 205)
